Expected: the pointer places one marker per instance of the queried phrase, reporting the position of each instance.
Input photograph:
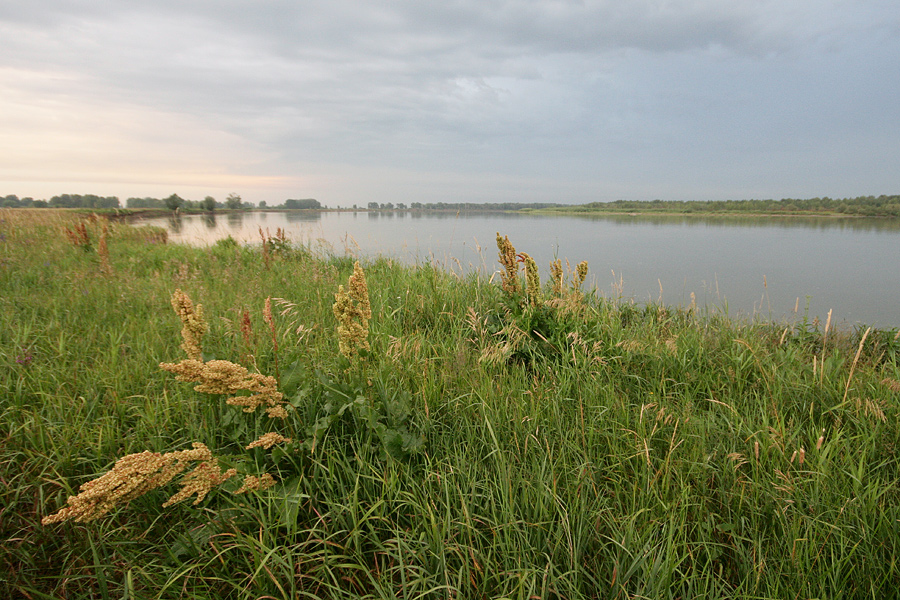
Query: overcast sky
(453, 100)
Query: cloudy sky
(351, 101)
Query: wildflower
(253, 483)
(194, 325)
(246, 329)
(533, 279)
(509, 277)
(277, 412)
(267, 440)
(580, 275)
(353, 311)
(556, 275)
(224, 377)
(136, 474)
(78, 236)
(200, 481)
(25, 358)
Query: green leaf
(288, 498)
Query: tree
(262, 204)
(373, 206)
(208, 204)
(174, 202)
(233, 201)
(305, 203)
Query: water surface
(745, 266)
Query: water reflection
(302, 216)
(209, 219)
(235, 219)
(176, 224)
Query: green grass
(622, 451)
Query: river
(763, 267)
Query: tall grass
(604, 450)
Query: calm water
(742, 265)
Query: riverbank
(863, 206)
(490, 443)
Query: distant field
(520, 438)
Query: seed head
(253, 483)
(533, 279)
(556, 275)
(224, 377)
(509, 277)
(136, 474)
(352, 310)
(267, 440)
(580, 275)
(194, 325)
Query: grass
(592, 449)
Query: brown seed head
(253, 483)
(533, 279)
(352, 310)
(193, 324)
(224, 377)
(267, 440)
(556, 276)
(136, 474)
(509, 277)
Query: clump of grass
(78, 236)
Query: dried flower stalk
(532, 279)
(581, 272)
(194, 325)
(78, 236)
(224, 377)
(352, 310)
(267, 440)
(255, 484)
(136, 474)
(509, 277)
(556, 276)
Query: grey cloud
(573, 89)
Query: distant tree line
(305, 203)
(173, 202)
(870, 206)
(63, 201)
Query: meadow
(433, 435)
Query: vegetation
(307, 203)
(440, 437)
(868, 206)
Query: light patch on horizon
(49, 140)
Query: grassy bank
(490, 444)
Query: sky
(353, 101)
